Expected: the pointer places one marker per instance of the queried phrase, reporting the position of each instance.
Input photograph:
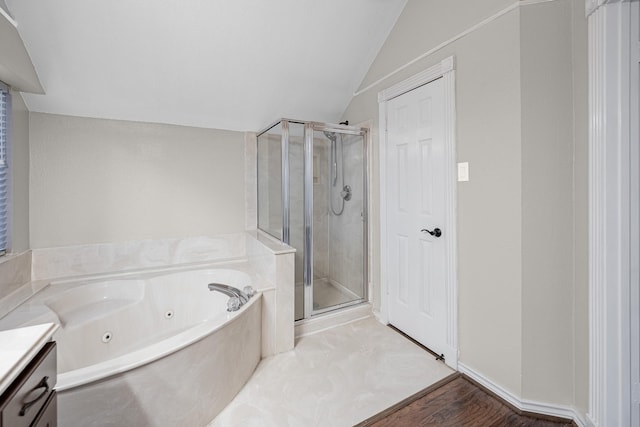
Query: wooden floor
(457, 403)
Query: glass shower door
(339, 204)
(312, 196)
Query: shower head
(331, 135)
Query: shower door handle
(436, 232)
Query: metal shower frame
(309, 128)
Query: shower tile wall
(338, 240)
(345, 256)
(321, 239)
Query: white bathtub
(154, 351)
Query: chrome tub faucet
(237, 298)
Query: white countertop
(18, 347)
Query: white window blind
(5, 111)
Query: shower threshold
(328, 296)
(333, 318)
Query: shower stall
(312, 195)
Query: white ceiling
(226, 64)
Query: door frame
(445, 70)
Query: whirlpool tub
(160, 350)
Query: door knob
(436, 232)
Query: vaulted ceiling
(226, 64)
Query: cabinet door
(24, 398)
(48, 415)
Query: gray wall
(95, 180)
(19, 175)
(547, 202)
(522, 288)
(488, 137)
(580, 207)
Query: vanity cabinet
(30, 400)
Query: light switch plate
(463, 172)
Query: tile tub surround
(15, 281)
(15, 271)
(268, 261)
(275, 263)
(104, 258)
(338, 377)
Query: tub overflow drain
(168, 314)
(106, 337)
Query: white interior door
(415, 209)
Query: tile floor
(338, 377)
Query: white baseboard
(561, 411)
(380, 317)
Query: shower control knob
(436, 232)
